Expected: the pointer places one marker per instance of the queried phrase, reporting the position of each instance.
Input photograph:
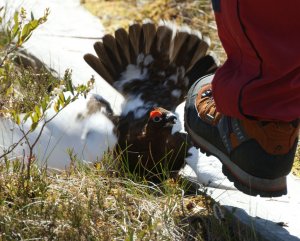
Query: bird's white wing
(88, 137)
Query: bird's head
(160, 118)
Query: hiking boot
(256, 155)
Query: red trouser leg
(261, 77)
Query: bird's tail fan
(156, 50)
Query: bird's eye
(156, 115)
(157, 119)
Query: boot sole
(243, 181)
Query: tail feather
(149, 31)
(200, 51)
(135, 40)
(112, 51)
(204, 66)
(98, 66)
(122, 39)
(179, 40)
(171, 57)
(187, 51)
(163, 41)
(105, 59)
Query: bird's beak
(171, 118)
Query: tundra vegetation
(98, 202)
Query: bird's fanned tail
(152, 67)
(171, 57)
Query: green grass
(91, 203)
(24, 81)
(196, 14)
(99, 202)
(26, 88)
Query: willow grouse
(152, 67)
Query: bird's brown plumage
(151, 66)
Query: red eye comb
(155, 113)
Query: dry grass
(84, 203)
(24, 80)
(197, 14)
(90, 203)
(296, 166)
(27, 88)
(94, 203)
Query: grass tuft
(81, 203)
(100, 202)
(196, 14)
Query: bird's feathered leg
(97, 103)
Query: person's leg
(248, 117)
(261, 77)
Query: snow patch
(208, 170)
(179, 125)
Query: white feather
(197, 33)
(207, 40)
(137, 106)
(176, 93)
(215, 57)
(148, 60)
(185, 28)
(88, 137)
(173, 78)
(147, 20)
(171, 25)
(140, 58)
(132, 73)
